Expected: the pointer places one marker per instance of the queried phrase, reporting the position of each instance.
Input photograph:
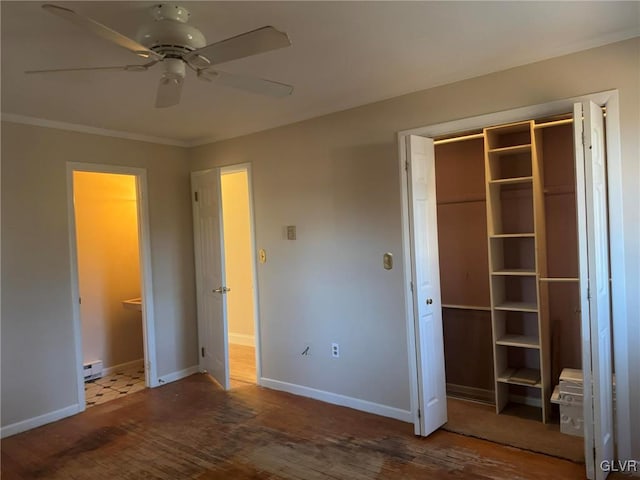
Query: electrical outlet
(335, 350)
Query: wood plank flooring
(242, 364)
(480, 421)
(191, 429)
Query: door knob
(222, 290)
(429, 301)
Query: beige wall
(38, 366)
(336, 177)
(106, 218)
(238, 259)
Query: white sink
(133, 304)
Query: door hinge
(195, 196)
(419, 414)
(80, 300)
(411, 284)
(406, 166)
(202, 352)
(588, 293)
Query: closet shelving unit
(509, 266)
(517, 260)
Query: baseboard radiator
(92, 370)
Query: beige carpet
(515, 427)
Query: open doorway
(111, 281)
(224, 244)
(236, 217)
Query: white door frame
(144, 245)
(241, 167)
(616, 236)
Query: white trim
(616, 236)
(622, 405)
(254, 260)
(40, 420)
(74, 127)
(336, 399)
(179, 375)
(144, 245)
(242, 339)
(123, 366)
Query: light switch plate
(291, 232)
(387, 261)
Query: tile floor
(114, 385)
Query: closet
(507, 239)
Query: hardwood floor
(242, 364)
(191, 429)
(480, 421)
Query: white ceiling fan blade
(102, 31)
(247, 83)
(169, 90)
(127, 68)
(251, 43)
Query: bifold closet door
(427, 305)
(593, 239)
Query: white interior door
(426, 284)
(593, 236)
(210, 278)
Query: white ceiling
(344, 54)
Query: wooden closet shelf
(513, 235)
(529, 377)
(511, 181)
(519, 272)
(466, 307)
(496, 152)
(517, 307)
(523, 341)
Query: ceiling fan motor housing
(169, 34)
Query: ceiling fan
(170, 41)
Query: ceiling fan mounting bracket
(171, 11)
(169, 34)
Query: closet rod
(462, 200)
(558, 279)
(554, 123)
(458, 139)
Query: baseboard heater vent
(92, 370)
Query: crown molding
(73, 127)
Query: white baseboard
(38, 421)
(336, 399)
(122, 366)
(242, 339)
(172, 377)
